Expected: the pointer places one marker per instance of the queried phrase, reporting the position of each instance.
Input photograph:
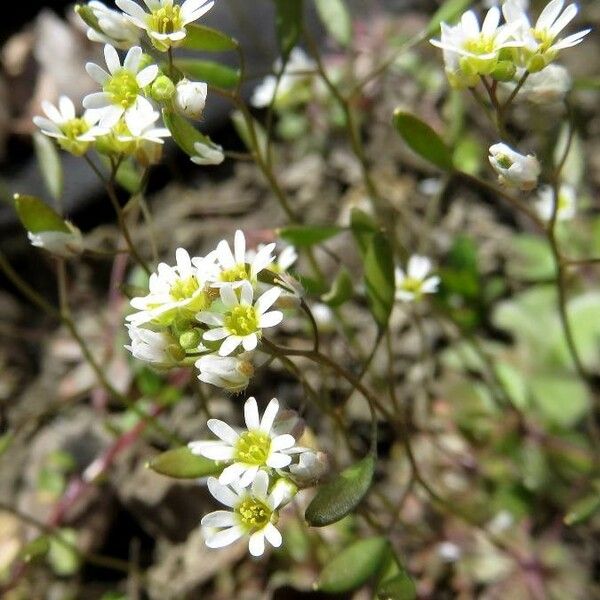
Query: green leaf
(36, 549)
(341, 291)
(379, 278)
(335, 17)
(354, 566)
(468, 153)
(584, 509)
(341, 496)
(207, 39)
(213, 73)
(180, 463)
(183, 132)
(63, 556)
(50, 164)
(129, 175)
(447, 13)
(303, 236)
(563, 401)
(241, 126)
(363, 228)
(532, 258)
(36, 216)
(400, 587)
(423, 140)
(288, 22)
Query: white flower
(567, 202)
(208, 154)
(549, 85)
(310, 468)
(166, 21)
(540, 43)
(172, 290)
(144, 129)
(243, 322)
(73, 134)
(113, 27)
(233, 266)
(61, 243)
(417, 280)
(122, 85)
(298, 71)
(253, 514)
(260, 446)
(232, 373)
(474, 49)
(190, 98)
(150, 346)
(515, 169)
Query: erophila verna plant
(226, 322)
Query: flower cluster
(264, 471)
(211, 311)
(508, 51)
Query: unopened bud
(163, 89)
(505, 70)
(190, 98)
(175, 352)
(190, 339)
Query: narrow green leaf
(50, 164)
(288, 22)
(400, 587)
(184, 133)
(423, 140)
(335, 17)
(354, 566)
(180, 463)
(341, 291)
(363, 228)
(207, 39)
(36, 216)
(241, 126)
(584, 509)
(303, 236)
(447, 13)
(341, 496)
(213, 73)
(35, 549)
(379, 278)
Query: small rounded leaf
(341, 496)
(207, 39)
(180, 463)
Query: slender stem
(514, 93)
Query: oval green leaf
(341, 496)
(288, 22)
(207, 39)
(50, 164)
(354, 566)
(304, 236)
(379, 278)
(423, 140)
(184, 133)
(336, 19)
(400, 587)
(213, 73)
(36, 216)
(341, 291)
(180, 463)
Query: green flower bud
(163, 89)
(536, 63)
(505, 70)
(191, 339)
(175, 352)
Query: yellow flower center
(253, 514)
(544, 38)
(182, 289)
(503, 161)
(242, 320)
(166, 19)
(410, 284)
(74, 128)
(237, 273)
(122, 88)
(482, 44)
(253, 448)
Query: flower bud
(518, 170)
(536, 63)
(190, 98)
(163, 89)
(190, 339)
(505, 70)
(310, 468)
(232, 373)
(208, 154)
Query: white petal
(223, 431)
(224, 538)
(97, 100)
(271, 319)
(228, 297)
(568, 15)
(210, 318)
(239, 247)
(231, 473)
(251, 414)
(268, 299)
(273, 536)
(191, 10)
(278, 460)
(229, 345)
(133, 9)
(218, 452)
(218, 518)
(225, 255)
(260, 485)
(246, 293)
(214, 335)
(67, 108)
(221, 492)
(147, 76)
(282, 442)
(269, 415)
(256, 545)
(491, 21)
(112, 59)
(249, 476)
(249, 342)
(98, 74)
(549, 14)
(132, 59)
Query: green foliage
(180, 463)
(423, 140)
(342, 495)
(213, 73)
(36, 549)
(341, 291)
(304, 236)
(399, 587)
(63, 556)
(363, 228)
(584, 509)
(379, 278)
(36, 216)
(243, 129)
(183, 132)
(335, 17)
(50, 165)
(207, 39)
(289, 14)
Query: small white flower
(208, 154)
(519, 170)
(231, 373)
(449, 552)
(114, 27)
(150, 346)
(61, 243)
(253, 514)
(166, 22)
(540, 43)
(472, 49)
(298, 71)
(567, 202)
(190, 98)
(417, 280)
(243, 322)
(549, 85)
(260, 446)
(73, 134)
(144, 129)
(233, 266)
(173, 290)
(122, 85)
(310, 468)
